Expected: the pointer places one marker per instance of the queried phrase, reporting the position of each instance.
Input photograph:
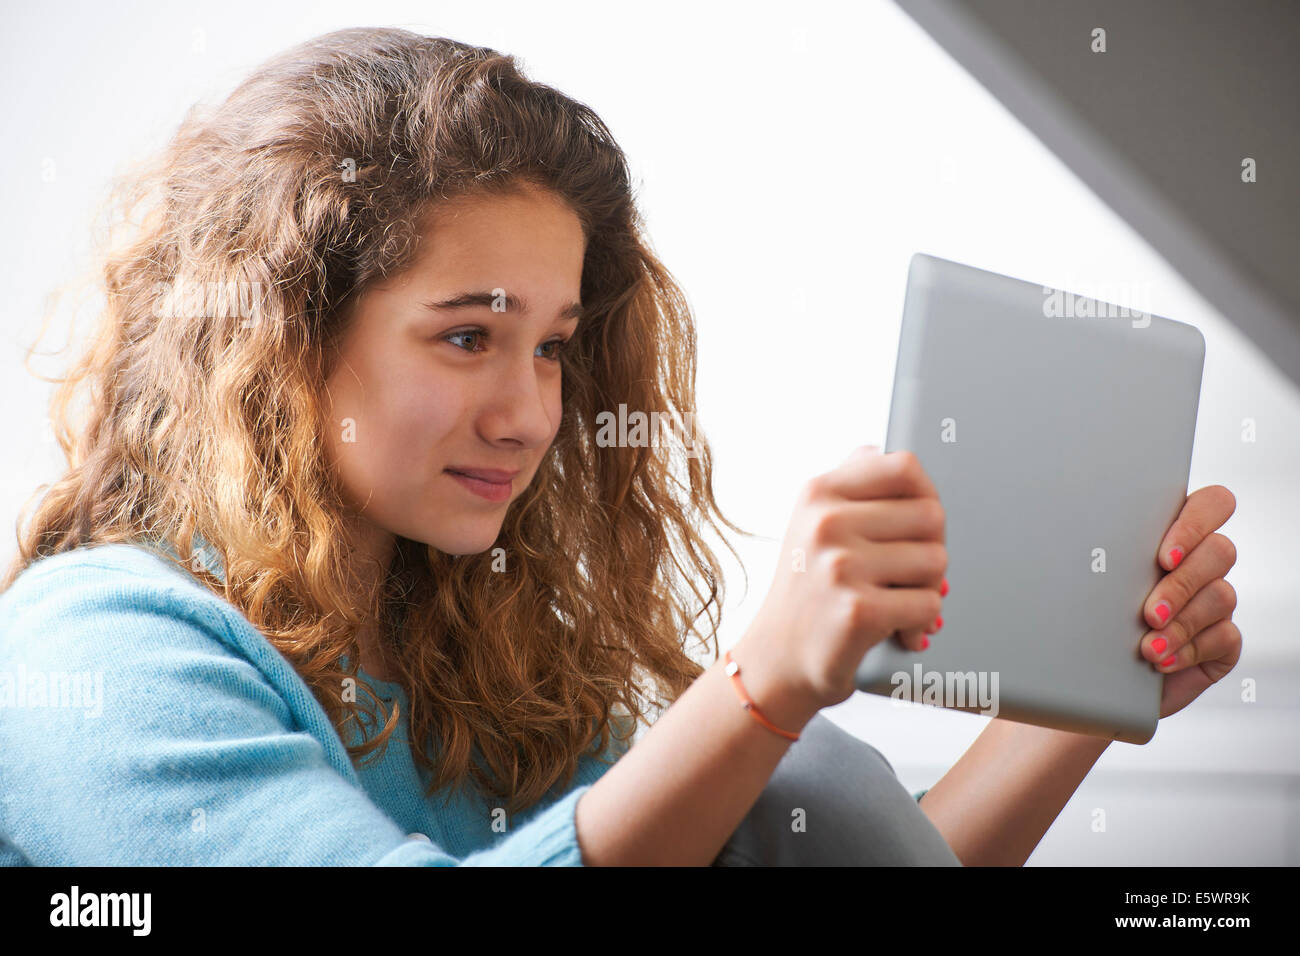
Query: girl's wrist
(766, 687)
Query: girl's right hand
(863, 558)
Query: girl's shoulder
(141, 559)
(138, 706)
(131, 607)
(113, 580)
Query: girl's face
(446, 390)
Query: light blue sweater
(144, 721)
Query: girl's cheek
(435, 416)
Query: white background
(790, 160)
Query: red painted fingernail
(943, 588)
(1175, 555)
(1168, 660)
(1159, 645)
(938, 623)
(925, 642)
(1162, 611)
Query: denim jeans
(835, 800)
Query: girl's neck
(376, 659)
(372, 550)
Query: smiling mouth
(492, 485)
(495, 475)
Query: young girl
(343, 569)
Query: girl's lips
(486, 474)
(491, 490)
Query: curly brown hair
(308, 183)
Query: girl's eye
(556, 345)
(466, 334)
(559, 344)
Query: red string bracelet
(733, 671)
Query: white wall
(791, 159)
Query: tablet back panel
(1060, 445)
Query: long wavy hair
(307, 184)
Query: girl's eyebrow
(512, 303)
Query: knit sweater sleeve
(184, 746)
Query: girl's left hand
(1193, 640)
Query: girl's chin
(464, 540)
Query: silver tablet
(1058, 431)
